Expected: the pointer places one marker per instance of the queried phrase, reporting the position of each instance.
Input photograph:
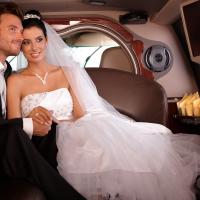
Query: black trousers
(22, 158)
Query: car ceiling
(159, 11)
(150, 6)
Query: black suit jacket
(4, 121)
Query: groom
(21, 157)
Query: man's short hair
(11, 8)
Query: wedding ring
(36, 114)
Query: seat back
(133, 95)
(116, 58)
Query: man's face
(10, 35)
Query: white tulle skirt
(104, 156)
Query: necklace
(43, 80)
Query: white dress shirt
(3, 88)
(27, 122)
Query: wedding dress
(104, 156)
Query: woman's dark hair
(33, 18)
(11, 8)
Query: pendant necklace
(43, 80)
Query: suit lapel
(8, 70)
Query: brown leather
(134, 95)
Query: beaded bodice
(59, 101)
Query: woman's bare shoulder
(55, 68)
(16, 76)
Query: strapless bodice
(59, 101)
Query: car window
(87, 46)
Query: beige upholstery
(115, 58)
(140, 98)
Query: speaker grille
(157, 58)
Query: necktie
(3, 89)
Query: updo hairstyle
(33, 18)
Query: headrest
(116, 58)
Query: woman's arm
(13, 96)
(77, 110)
(41, 126)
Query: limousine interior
(118, 41)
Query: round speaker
(157, 58)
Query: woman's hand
(41, 115)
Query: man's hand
(40, 129)
(42, 121)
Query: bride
(101, 153)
